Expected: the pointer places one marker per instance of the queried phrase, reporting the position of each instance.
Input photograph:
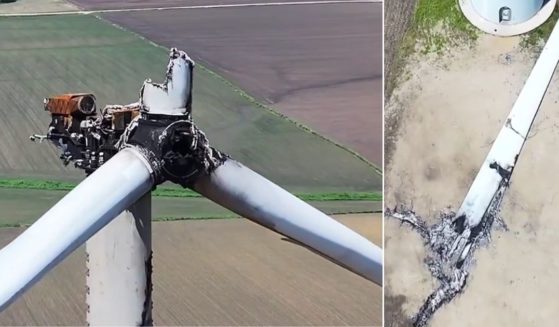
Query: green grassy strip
(13, 225)
(437, 25)
(171, 192)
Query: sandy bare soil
(451, 109)
(318, 64)
(221, 272)
(35, 6)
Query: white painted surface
(92, 204)
(118, 280)
(521, 10)
(171, 97)
(509, 141)
(250, 195)
(484, 14)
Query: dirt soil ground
(135, 4)
(451, 109)
(221, 273)
(318, 64)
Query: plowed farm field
(226, 272)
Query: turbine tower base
(119, 269)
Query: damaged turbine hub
(160, 126)
(177, 150)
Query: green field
(174, 191)
(23, 207)
(47, 55)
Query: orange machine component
(121, 116)
(121, 119)
(71, 104)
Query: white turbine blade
(250, 195)
(509, 142)
(173, 97)
(107, 192)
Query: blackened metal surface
(182, 149)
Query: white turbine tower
(159, 143)
(507, 17)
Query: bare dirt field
(451, 109)
(134, 4)
(319, 64)
(221, 272)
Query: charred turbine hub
(175, 147)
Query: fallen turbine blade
(502, 157)
(250, 195)
(92, 204)
(452, 242)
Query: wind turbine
(127, 151)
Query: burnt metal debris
(177, 149)
(450, 244)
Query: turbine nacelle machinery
(166, 132)
(85, 137)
